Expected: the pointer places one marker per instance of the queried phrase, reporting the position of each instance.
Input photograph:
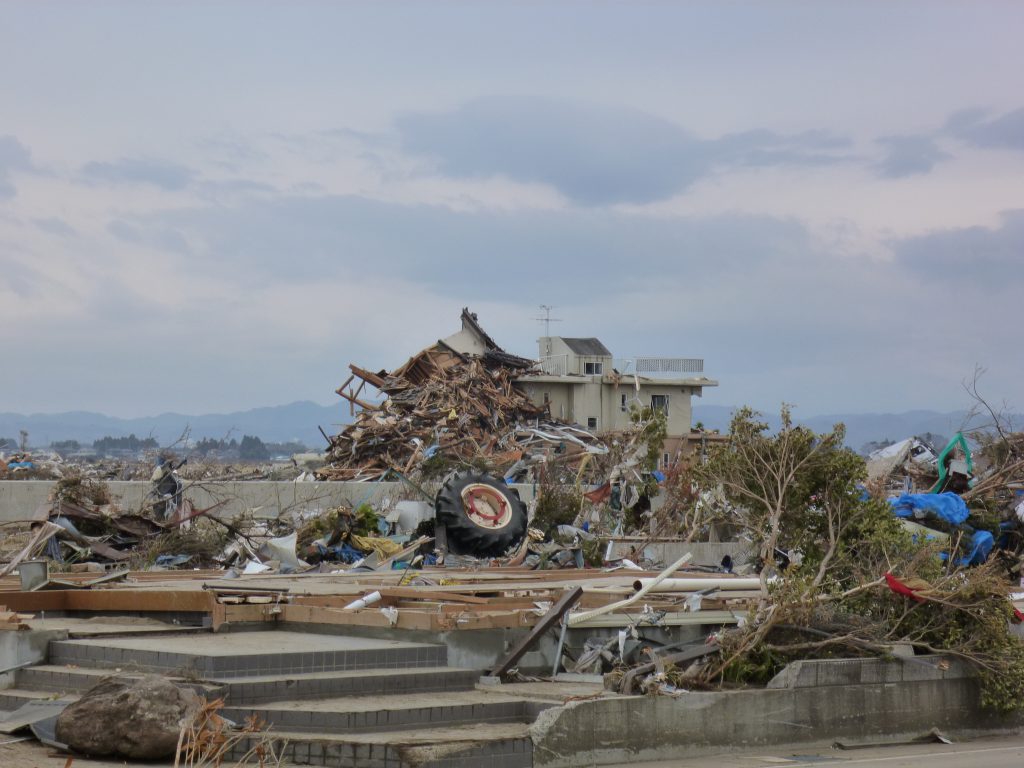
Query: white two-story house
(581, 382)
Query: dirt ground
(32, 754)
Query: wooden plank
(677, 619)
(548, 620)
(36, 601)
(341, 389)
(110, 600)
(367, 376)
(364, 405)
(397, 593)
(369, 617)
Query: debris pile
(913, 465)
(462, 407)
(23, 465)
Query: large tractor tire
(483, 516)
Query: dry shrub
(78, 489)
(204, 539)
(207, 741)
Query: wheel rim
(486, 506)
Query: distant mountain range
(299, 421)
(278, 424)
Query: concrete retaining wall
(817, 701)
(24, 647)
(704, 552)
(20, 498)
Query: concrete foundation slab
(251, 643)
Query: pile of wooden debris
(447, 403)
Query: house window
(547, 398)
(625, 403)
(666, 461)
(659, 403)
(591, 423)
(593, 369)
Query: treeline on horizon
(250, 447)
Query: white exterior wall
(575, 365)
(576, 397)
(580, 398)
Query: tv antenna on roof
(547, 319)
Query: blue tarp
(982, 543)
(981, 548)
(945, 506)
(400, 565)
(950, 508)
(342, 553)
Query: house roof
(587, 347)
(469, 322)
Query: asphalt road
(1001, 752)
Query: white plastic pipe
(578, 618)
(363, 601)
(695, 585)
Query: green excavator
(955, 465)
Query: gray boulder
(132, 717)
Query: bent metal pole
(578, 618)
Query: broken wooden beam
(367, 376)
(547, 621)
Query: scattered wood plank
(550, 619)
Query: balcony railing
(558, 365)
(555, 365)
(660, 365)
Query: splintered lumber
(356, 401)
(10, 621)
(463, 406)
(367, 376)
(426, 599)
(552, 617)
(44, 533)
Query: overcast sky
(217, 206)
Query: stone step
(377, 713)
(72, 679)
(244, 654)
(261, 689)
(501, 745)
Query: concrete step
(12, 698)
(368, 714)
(501, 745)
(244, 654)
(57, 678)
(72, 679)
(261, 689)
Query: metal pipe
(364, 601)
(695, 585)
(561, 644)
(578, 618)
